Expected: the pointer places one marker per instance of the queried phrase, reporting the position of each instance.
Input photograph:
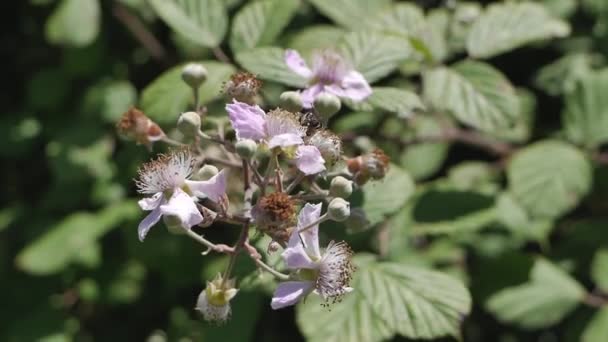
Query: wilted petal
(353, 86)
(309, 160)
(296, 63)
(309, 214)
(296, 257)
(289, 293)
(248, 121)
(183, 207)
(150, 203)
(285, 140)
(214, 188)
(309, 94)
(148, 222)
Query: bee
(310, 120)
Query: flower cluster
(283, 157)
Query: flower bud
(327, 105)
(340, 187)
(371, 165)
(194, 74)
(338, 209)
(246, 148)
(206, 172)
(291, 101)
(214, 301)
(189, 123)
(329, 144)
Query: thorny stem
(210, 245)
(271, 165)
(257, 178)
(140, 32)
(270, 270)
(310, 197)
(299, 178)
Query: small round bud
(194, 74)
(206, 172)
(189, 123)
(327, 105)
(338, 209)
(340, 187)
(246, 148)
(173, 224)
(291, 101)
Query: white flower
(327, 274)
(166, 179)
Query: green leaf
(506, 26)
(202, 21)
(549, 178)
(544, 300)
(563, 75)
(316, 37)
(585, 117)
(515, 218)
(259, 23)
(74, 23)
(384, 197)
(269, 64)
(395, 100)
(475, 93)
(167, 96)
(350, 13)
(389, 299)
(597, 329)
(373, 54)
(599, 269)
(64, 243)
(423, 160)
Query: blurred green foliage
(517, 213)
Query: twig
(218, 248)
(594, 300)
(140, 32)
(221, 55)
(170, 141)
(299, 178)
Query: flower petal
(289, 293)
(296, 257)
(150, 203)
(296, 63)
(310, 213)
(309, 94)
(285, 140)
(183, 207)
(148, 222)
(353, 86)
(248, 121)
(214, 188)
(309, 160)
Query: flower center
(309, 274)
(328, 68)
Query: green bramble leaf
(597, 329)
(395, 100)
(350, 14)
(316, 37)
(203, 22)
(259, 23)
(599, 269)
(389, 299)
(563, 75)
(544, 300)
(549, 178)
(506, 26)
(167, 96)
(67, 241)
(475, 93)
(384, 197)
(585, 116)
(268, 63)
(373, 54)
(74, 23)
(423, 160)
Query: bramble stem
(320, 220)
(299, 178)
(170, 141)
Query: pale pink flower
(330, 73)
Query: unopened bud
(338, 209)
(206, 172)
(189, 123)
(174, 224)
(246, 148)
(327, 105)
(340, 187)
(214, 301)
(291, 101)
(194, 74)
